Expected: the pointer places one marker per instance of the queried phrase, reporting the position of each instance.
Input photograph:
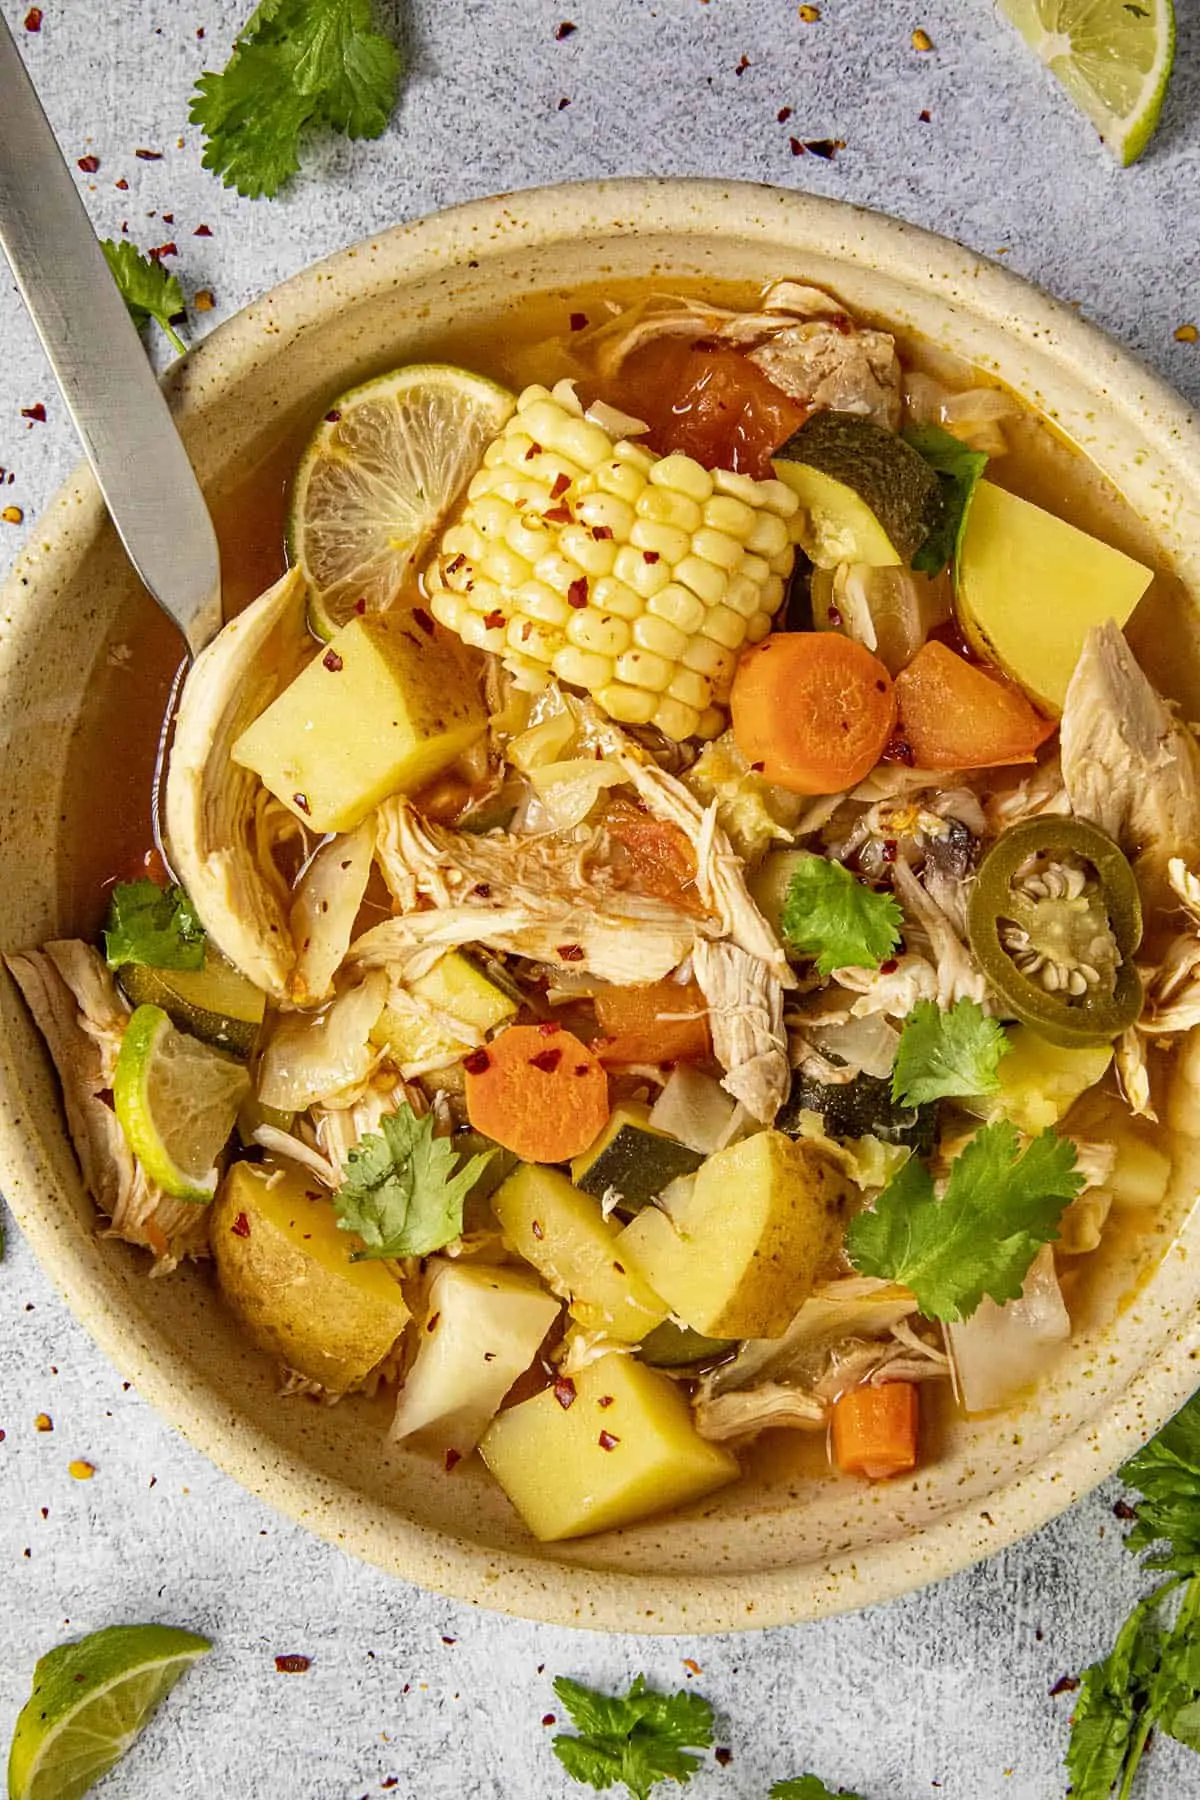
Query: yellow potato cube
(381, 710)
(611, 1445)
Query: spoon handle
(101, 366)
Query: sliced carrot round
(538, 1091)
(812, 710)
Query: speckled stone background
(949, 1691)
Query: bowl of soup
(660, 970)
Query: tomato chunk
(664, 1022)
(954, 716)
(709, 403)
(654, 855)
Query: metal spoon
(101, 366)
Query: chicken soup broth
(674, 905)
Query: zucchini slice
(633, 1160)
(672, 1346)
(216, 1004)
(870, 497)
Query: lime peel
(176, 1100)
(1113, 57)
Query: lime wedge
(1113, 57)
(89, 1702)
(176, 1100)
(378, 479)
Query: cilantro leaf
(828, 914)
(958, 470)
(809, 1787)
(146, 287)
(1167, 1476)
(404, 1192)
(149, 925)
(947, 1055)
(1111, 1719)
(999, 1207)
(296, 64)
(639, 1741)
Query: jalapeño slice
(1054, 919)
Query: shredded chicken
(893, 991)
(1133, 1072)
(958, 974)
(745, 1002)
(322, 918)
(76, 1007)
(734, 1418)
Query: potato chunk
(612, 1445)
(576, 1250)
(285, 1269)
(484, 1328)
(740, 1251)
(382, 710)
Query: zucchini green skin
(635, 1163)
(671, 1346)
(860, 1108)
(200, 1001)
(876, 468)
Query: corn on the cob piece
(635, 577)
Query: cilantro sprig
(639, 1740)
(959, 470)
(947, 1055)
(297, 65)
(810, 1787)
(405, 1189)
(829, 914)
(147, 289)
(1001, 1204)
(151, 925)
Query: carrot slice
(875, 1430)
(812, 710)
(644, 1024)
(538, 1091)
(954, 716)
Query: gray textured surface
(946, 1692)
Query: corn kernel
(599, 632)
(770, 535)
(534, 600)
(584, 443)
(528, 396)
(475, 631)
(784, 563)
(684, 475)
(613, 596)
(674, 719)
(627, 705)
(595, 556)
(716, 548)
(583, 668)
(654, 634)
(712, 723)
(537, 642)
(623, 480)
(725, 626)
(449, 609)
(462, 540)
(644, 571)
(527, 536)
(557, 571)
(731, 516)
(703, 578)
(491, 516)
(666, 541)
(758, 627)
(641, 668)
(484, 596)
(755, 568)
(740, 487)
(705, 657)
(692, 689)
(544, 420)
(779, 498)
(666, 508)
(635, 456)
(771, 593)
(744, 596)
(679, 607)
(505, 567)
(522, 491)
(482, 481)
(606, 512)
(505, 451)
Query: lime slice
(177, 1100)
(89, 1702)
(378, 480)
(1113, 57)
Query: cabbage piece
(695, 1110)
(855, 1307)
(325, 910)
(753, 814)
(1001, 1351)
(321, 1056)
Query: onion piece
(618, 424)
(325, 909)
(542, 743)
(1001, 1351)
(694, 1110)
(569, 790)
(868, 1045)
(317, 1056)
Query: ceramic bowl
(784, 1544)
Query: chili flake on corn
(636, 577)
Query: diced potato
(382, 710)
(1029, 588)
(622, 1448)
(457, 990)
(1040, 1082)
(484, 1327)
(1141, 1172)
(285, 1269)
(740, 1251)
(577, 1251)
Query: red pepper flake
(722, 1756)
(756, 768)
(564, 1392)
(3, 1435)
(161, 250)
(89, 164)
(333, 662)
(563, 105)
(533, 450)
(890, 850)
(925, 116)
(422, 618)
(606, 1400)
(149, 155)
(578, 321)
(293, 1664)
(447, 1640)
(602, 533)
(692, 1666)
(1123, 1511)
(483, 889)
(36, 413)
(477, 1063)
(743, 65)
(549, 1719)
(577, 593)
(561, 484)
(565, 30)
(453, 1458)
(495, 620)
(1066, 1684)
(301, 801)
(582, 1069)
(784, 114)
(549, 1028)
(607, 1441)
(570, 952)
(546, 1060)
(826, 148)
(168, 218)
(360, 607)
(651, 556)
(33, 19)
(391, 1782)
(241, 1226)
(899, 750)
(122, 184)
(202, 231)
(835, 617)
(889, 967)
(558, 515)
(431, 1324)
